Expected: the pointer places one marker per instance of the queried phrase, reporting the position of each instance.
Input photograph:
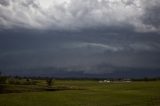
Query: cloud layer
(79, 14)
(91, 53)
(88, 36)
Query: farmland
(83, 93)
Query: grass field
(88, 93)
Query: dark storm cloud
(87, 52)
(91, 36)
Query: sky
(80, 38)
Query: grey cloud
(79, 51)
(129, 2)
(77, 14)
(4, 2)
(151, 16)
(107, 37)
(98, 47)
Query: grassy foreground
(91, 93)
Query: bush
(3, 80)
(30, 82)
(14, 81)
(49, 82)
(2, 88)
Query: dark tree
(49, 82)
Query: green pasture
(84, 93)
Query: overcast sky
(97, 37)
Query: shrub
(14, 81)
(3, 80)
(50, 82)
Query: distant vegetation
(17, 84)
(9, 84)
(80, 93)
